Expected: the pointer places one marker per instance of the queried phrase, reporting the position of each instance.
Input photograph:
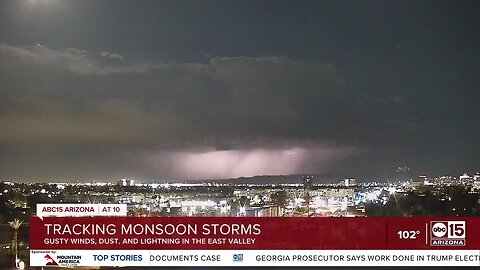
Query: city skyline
(315, 178)
(216, 90)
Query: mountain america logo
(50, 260)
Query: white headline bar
(80, 210)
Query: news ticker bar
(183, 233)
(91, 258)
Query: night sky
(219, 89)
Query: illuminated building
(124, 182)
(423, 179)
(348, 182)
(444, 180)
(465, 178)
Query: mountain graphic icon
(50, 260)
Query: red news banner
(156, 233)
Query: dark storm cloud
(266, 110)
(74, 95)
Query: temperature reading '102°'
(408, 234)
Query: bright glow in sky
(210, 163)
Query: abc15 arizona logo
(448, 233)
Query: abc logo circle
(439, 229)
